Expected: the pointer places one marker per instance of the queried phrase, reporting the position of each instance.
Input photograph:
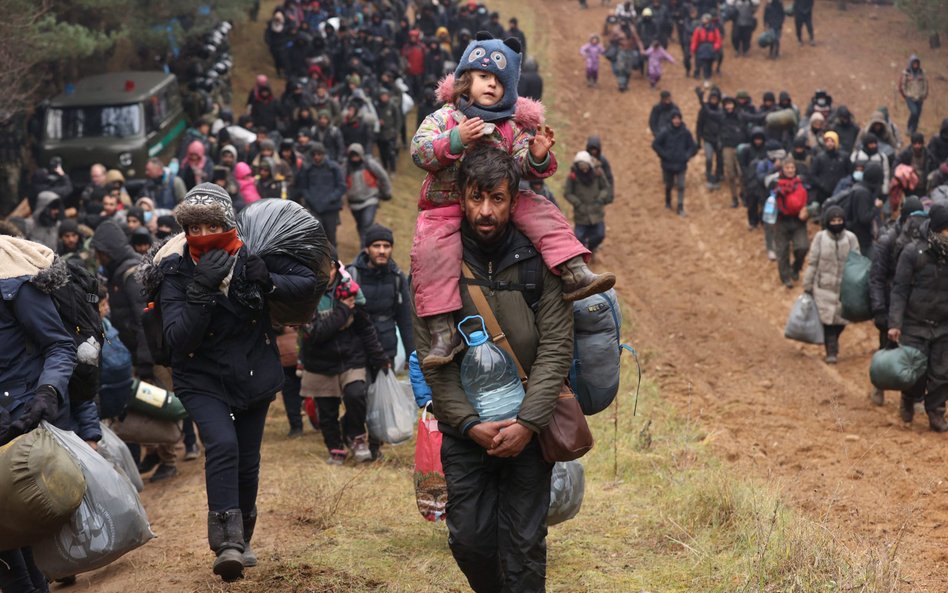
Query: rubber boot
(445, 341)
(580, 282)
(936, 420)
(906, 409)
(225, 534)
(250, 521)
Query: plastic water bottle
(489, 377)
(770, 210)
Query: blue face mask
(857, 175)
(148, 214)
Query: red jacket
(791, 195)
(414, 54)
(705, 35)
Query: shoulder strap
(496, 334)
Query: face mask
(857, 175)
(148, 215)
(836, 228)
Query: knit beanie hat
(500, 58)
(206, 203)
(377, 232)
(910, 205)
(833, 135)
(68, 226)
(938, 216)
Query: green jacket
(588, 201)
(543, 340)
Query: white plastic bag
(109, 523)
(804, 324)
(390, 410)
(116, 452)
(567, 487)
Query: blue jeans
(915, 113)
(364, 219)
(591, 235)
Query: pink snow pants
(436, 251)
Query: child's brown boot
(580, 282)
(445, 341)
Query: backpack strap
(496, 334)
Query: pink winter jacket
(431, 146)
(246, 183)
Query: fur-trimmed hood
(149, 273)
(529, 113)
(27, 261)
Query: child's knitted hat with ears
(500, 58)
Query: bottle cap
(477, 338)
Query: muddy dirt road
(707, 301)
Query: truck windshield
(111, 121)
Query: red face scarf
(199, 245)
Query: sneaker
(877, 397)
(795, 276)
(192, 452)
(788, 284)
(771, 255)
(163, 472)
(337, 457)
(360, 449)
(295, 432)
(735, 203)
(831, 359)
(377, 455)
(149, 463)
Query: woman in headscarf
(214, 300)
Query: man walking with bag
(498, 481)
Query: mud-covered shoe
(163, 472)
(192, 452)
(877, 396)
(445, 341)
(936, 420)
(580, 282)
(907, 410)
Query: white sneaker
(360, 449)
(771, 255)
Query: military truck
(119, 119)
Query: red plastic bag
(431, 490)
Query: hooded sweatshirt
(913, 84)
(42, 227)
(675, 146)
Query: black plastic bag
(282, 227)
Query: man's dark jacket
(387, 302)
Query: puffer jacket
(885, 259)
(367, 184)
(588, 199)
(386, 301)
(321, 187)
(828, 168)
(675, 147)
(824, 272)
(223, 348)
(542, 339)
(919, 292)
(437, 149)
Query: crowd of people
(352, 74)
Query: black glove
(43, 406)
(882, 322)
(212, 269)
(256, 271)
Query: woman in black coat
(213, 296)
